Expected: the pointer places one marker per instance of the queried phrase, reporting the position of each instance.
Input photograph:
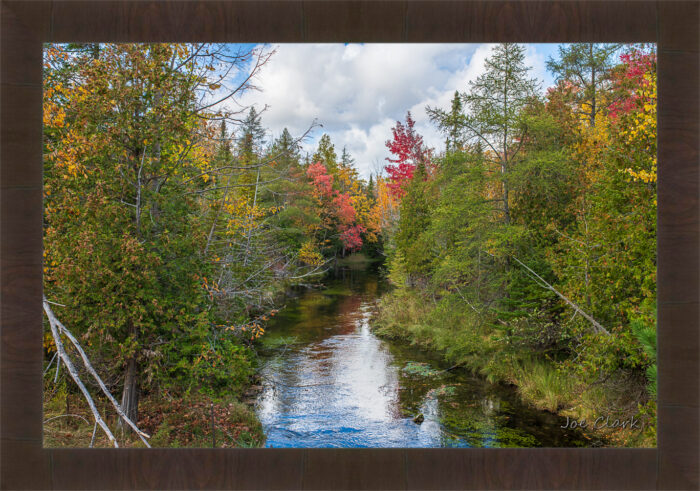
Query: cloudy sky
(359, 91)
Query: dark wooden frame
(26, 25)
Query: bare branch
(94, 374)
(51, 362)
(94, 432)
(261, 59)
(598, 328)
(74, 373)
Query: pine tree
(223, 152)
(370, 190)
(345, 159)
(286, 148)
(494, 121)
(413, 222)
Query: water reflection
(330, 382)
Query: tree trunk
(250, 218)
(130, 396)
(593, 101)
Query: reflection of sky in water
(341, 386)
(350, 398)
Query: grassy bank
(467, 338)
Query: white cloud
(358, 92)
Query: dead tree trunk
(130, 396)
(56, 330)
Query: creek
(329, 381)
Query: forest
(523, 250)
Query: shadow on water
(330, 382)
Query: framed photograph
(350, 245)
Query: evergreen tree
(325, 153)
(346, 160)
(495, 101)
(585, 67)
(223, 152)
(250, 143)
(286, 149)
(252, 135)
(451, 124)
(413, 222)
(370, 190)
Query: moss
(420, 369)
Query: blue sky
(359, 91)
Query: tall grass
(542, 385)
(466, 338)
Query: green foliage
(646, 336)
(415, 218)
(169, 234)
(171, 227)
(538, 210)
(211, 366)
(122, 242)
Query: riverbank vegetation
(172, 225)
(525, 251)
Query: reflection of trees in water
(465, 414)
(412, 391)
(337, 306)
(349, 314)
(358, 279)
(371, 287)
(490, 405)
(471, 412)
(314, 311)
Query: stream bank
(406, 317)
(329, 381)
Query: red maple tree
(340, 205)
(631, 81)
(323, 182)
(407, 147)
